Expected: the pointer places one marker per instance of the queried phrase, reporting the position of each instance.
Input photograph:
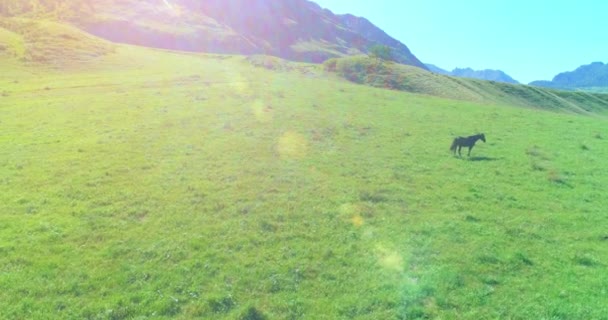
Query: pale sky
(528, 39)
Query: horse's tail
(453, 147)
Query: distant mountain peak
(486, 74)
(590, 76)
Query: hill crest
(44, 42)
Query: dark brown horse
(466, 142)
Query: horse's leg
(469, 154)
(459, 147)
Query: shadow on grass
(482, 159)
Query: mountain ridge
(486, 74)
(586, 77)
(298, 30)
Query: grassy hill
(48, 44)
(369, 71)
(156, 184)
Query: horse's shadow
(482, 158)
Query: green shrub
(330, 65)
(369, 71)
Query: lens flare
(261, 111)
(168, 4)
(292, 145)
(352, 213)
(389, 259)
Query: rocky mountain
(487, 74)
(293, 29)
(592, 76)
(438, 70)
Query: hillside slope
(401, 77)
(44, 42)
(293, 29)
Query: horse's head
(482, 137)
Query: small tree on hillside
(381, 52)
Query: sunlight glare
(261, 111)
(292, 145)
(352, 213)
(168, 4)
(389, 259)
(238, 83)
(357, 220)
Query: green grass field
(149, 184)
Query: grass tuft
(557, 177)
(221, 304)
(253, 314)
(587, 260)
(373, 196)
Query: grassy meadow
(147, 184)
